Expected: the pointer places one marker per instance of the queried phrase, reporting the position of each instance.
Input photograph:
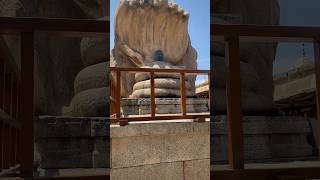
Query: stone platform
(266, 139)
(66, 142)
(166, 150)
(141, 106)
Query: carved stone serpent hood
(153, 34)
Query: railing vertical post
(1, 145)
(2, 81)
(6, 147)
(118, 100)
(9, 145)
(8, 93)
(13, 146)
(209, 94)
(317, 74)
(183, 94)
(18, 99)
(152, 95)
(27, 103)
(18, 139)
(14, 98)
(111, 107)
(234, 110)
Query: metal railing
(232, 35)
(17, 86)
(115, 95)
(10, 126)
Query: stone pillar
(166, 150)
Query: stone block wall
(141, 106)
(266, 139)
(67, 142)
(164, 150)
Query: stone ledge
(164, 101)
(154, 129)
(63, 126)
(263, 125)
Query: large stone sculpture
(153, 34)
(256, 58)
(91, 83)
(57, 59)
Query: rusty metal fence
(115, 95)
(10, 125)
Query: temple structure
(294, 91)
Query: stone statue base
(86, 140)
(266, 139)
(158, 151)
(141, 106)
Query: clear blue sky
(199, 28)
(296, 13)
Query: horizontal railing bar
(154, 70)
(265, 31)
(165, 117)
(252, 39)
(7, 119)
(27, 24)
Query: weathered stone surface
(159, 129)
(249, 76)
(139, 106)
(251, 102)
(163, 171)
(95, 76)
(197, 169)
(65, 153)
(266, 139)
(258, 56)
(94, 50)
(69, 142)
(136, 150)
(101, 152)
(160, 83)
(157, 47)
(160, 92)
(89, 103)
(288, 90)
